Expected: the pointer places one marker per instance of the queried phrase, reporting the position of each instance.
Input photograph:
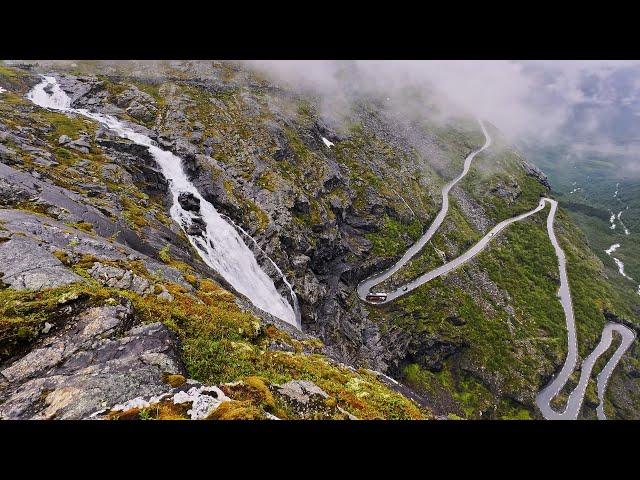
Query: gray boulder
(95, 361)
(138, 104)
(26, 265)
(301, 391)
(189, 201)
(81, 144)
(115, 277)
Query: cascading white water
(48, 94)
(222, 247)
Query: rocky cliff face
(330, 201)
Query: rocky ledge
(98, 358)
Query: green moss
(260, 215)
(304, 109)
(393, 237)
(64, 124)
(299, 148)
(268, 181)
(133, 213)
(234, 410)
(163, 253)
(10, 72)
(175, 380)
(85, 226)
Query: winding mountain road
(546, 395)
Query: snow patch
(328, 143)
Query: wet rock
(197, 227)
(128, 147)
(165, 142)
(189, 201)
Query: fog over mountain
(586, 102)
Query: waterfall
(219, 244)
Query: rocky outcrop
(28, 254)
(308, 400)
(195, 401)
(84, 91)
(138, 104)
(26, 265)
(98, 359)
(120, 278)
(535, 172)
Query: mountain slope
(478, 343)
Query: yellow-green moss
(234, 410)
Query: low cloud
(524, 99)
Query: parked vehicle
(376, 297)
